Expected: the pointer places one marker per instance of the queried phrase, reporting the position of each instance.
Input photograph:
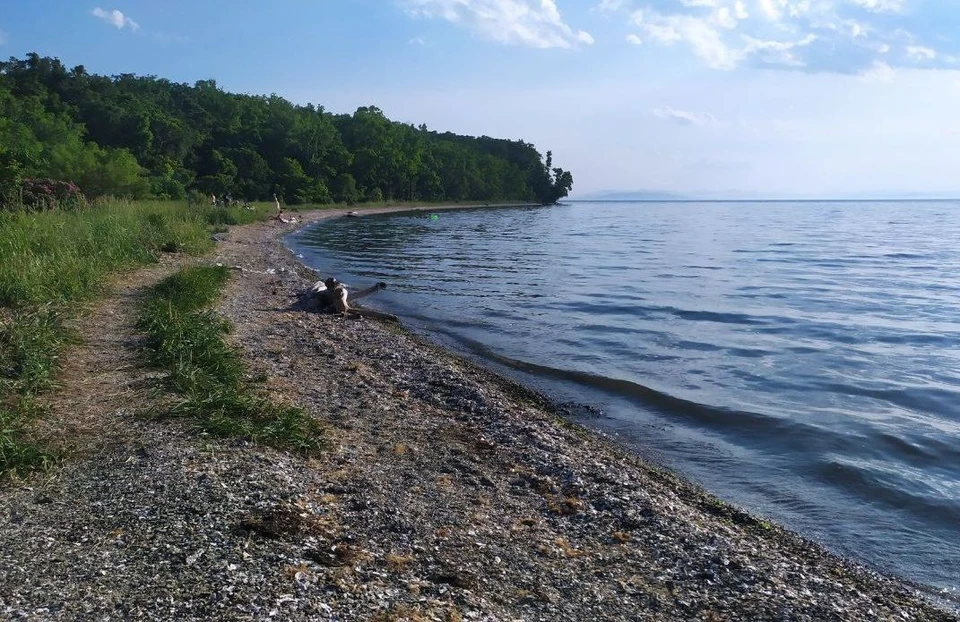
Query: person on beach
(213, 199)
(276, 201)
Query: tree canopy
(143, 136)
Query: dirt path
(102, 384)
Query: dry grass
(287, 520)
(564, 506)
(567, 549)
(398, 562)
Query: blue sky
(760, 98)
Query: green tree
(71, 125)
(346, 189)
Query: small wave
(713, 316)
(904, 256)
(876, 484)
(944, 339)
(760, 425)
(929, 399)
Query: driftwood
(330, 295)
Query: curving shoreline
(448, 492)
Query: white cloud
(707, 40)
(703, 39)
(723, 18)
(830, 36)
(683, 117)
(532, 23)
(880, 6)
(740, 10)
(610, 6)
(772, 9)
(782, 53)
(115, 18)
(879, 72)
(417, 41)
(919, 53)
(633, 39)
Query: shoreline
(950, 603)
(696, 491)
(448, 492)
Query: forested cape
(141, 137)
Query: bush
(375, 196)
(38, 195)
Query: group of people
(229, 201)
(279, 216)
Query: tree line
(143, 137)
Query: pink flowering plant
(40, 194)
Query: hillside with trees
(143, 137)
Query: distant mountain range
(629, 195)
(658, 195)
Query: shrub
(37, 195)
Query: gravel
(445, 493)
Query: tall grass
(185, 337)
(51, 263)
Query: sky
(706, 98)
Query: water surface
(799, 359)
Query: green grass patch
(66, 257)
(220, 216)
(185, 337)
(51, 263)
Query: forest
(76, 136)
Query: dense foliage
(148, 137)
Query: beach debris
(330, 295)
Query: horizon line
(768, 200)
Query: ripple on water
(800, 358)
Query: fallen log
(332, 296)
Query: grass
(57, 258)
(51, 264)
(185, 338)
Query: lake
(800, 359)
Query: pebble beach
(445, 492)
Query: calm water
(799, 359)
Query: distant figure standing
(276, 202)
(213, 199)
